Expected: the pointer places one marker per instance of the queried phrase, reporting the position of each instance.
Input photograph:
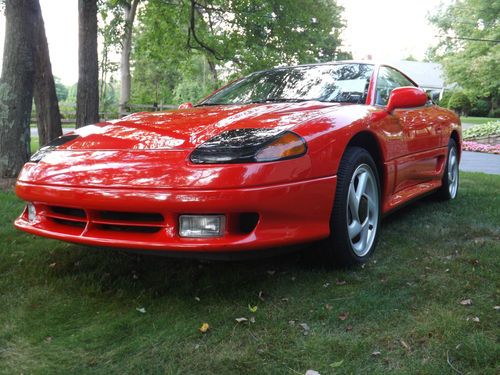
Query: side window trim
(376, 82)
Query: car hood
(186, 129)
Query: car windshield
(344, 83)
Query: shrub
(480, 108)
(460, 103)
(443, 102)
(482, 130)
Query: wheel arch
(368, 141)
(454, 135)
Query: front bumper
(287, 214)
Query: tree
(61, 90)
(129, 10)
(460, 103)
(234, 38)
(469, 47)
(16, 86)
(46, 102)
(87, 102)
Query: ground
(71, 309)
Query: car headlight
(250, 146)
(51, 146)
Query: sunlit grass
(477, 120)
(70, 309)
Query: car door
(418, 159)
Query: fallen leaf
(252, 309)
(328, 306)
(293, 278)
(291, 322)
(447, 270)
(52, 265)
(305, 327)
(474, 319)
(348, 328)
(474, 262)
(241, 320)
(376, 353)
(285, 299)
(340, 282)
(197, 299)
(252, 319)
(344, 315)
(496, 307)
(326, 285)
(271, 272)
(312, 372)
(48, 339)
(261, 296)
(141, 310)
(204, 328)
(466, 302)
(336, 364)
(405, 345)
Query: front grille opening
(76, 212)
(128, 228)
(247, 222)
(71, 223)
(131, 216)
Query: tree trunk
(87, 97)
(16, 86)
(213, 70)
(130, 11)
(46, 102)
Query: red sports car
(281, 157)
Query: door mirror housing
(406, 97)
(186, 105)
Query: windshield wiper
(277, 100)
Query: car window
(388, 79)
(343, 83)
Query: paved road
(480, 162)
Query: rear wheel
(449, 186)
(355, 218)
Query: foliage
(61, 90)
(233, 38)
(469, 49)
(445, 99)
(480, 107)
(76, 310)
(482, 130)
(459, 102)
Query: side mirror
(186, 105)
(406, 97)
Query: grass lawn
(69, 309)
(477, 120)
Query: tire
(451, 175)
(354, 232)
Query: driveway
(480, 162)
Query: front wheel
(355, 218)
(449, 186)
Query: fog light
(199, 226)
(31, 212)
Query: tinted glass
(388, 79)
(346, 83)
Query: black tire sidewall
(339, 237)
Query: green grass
(69, 309)
(477, 120)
